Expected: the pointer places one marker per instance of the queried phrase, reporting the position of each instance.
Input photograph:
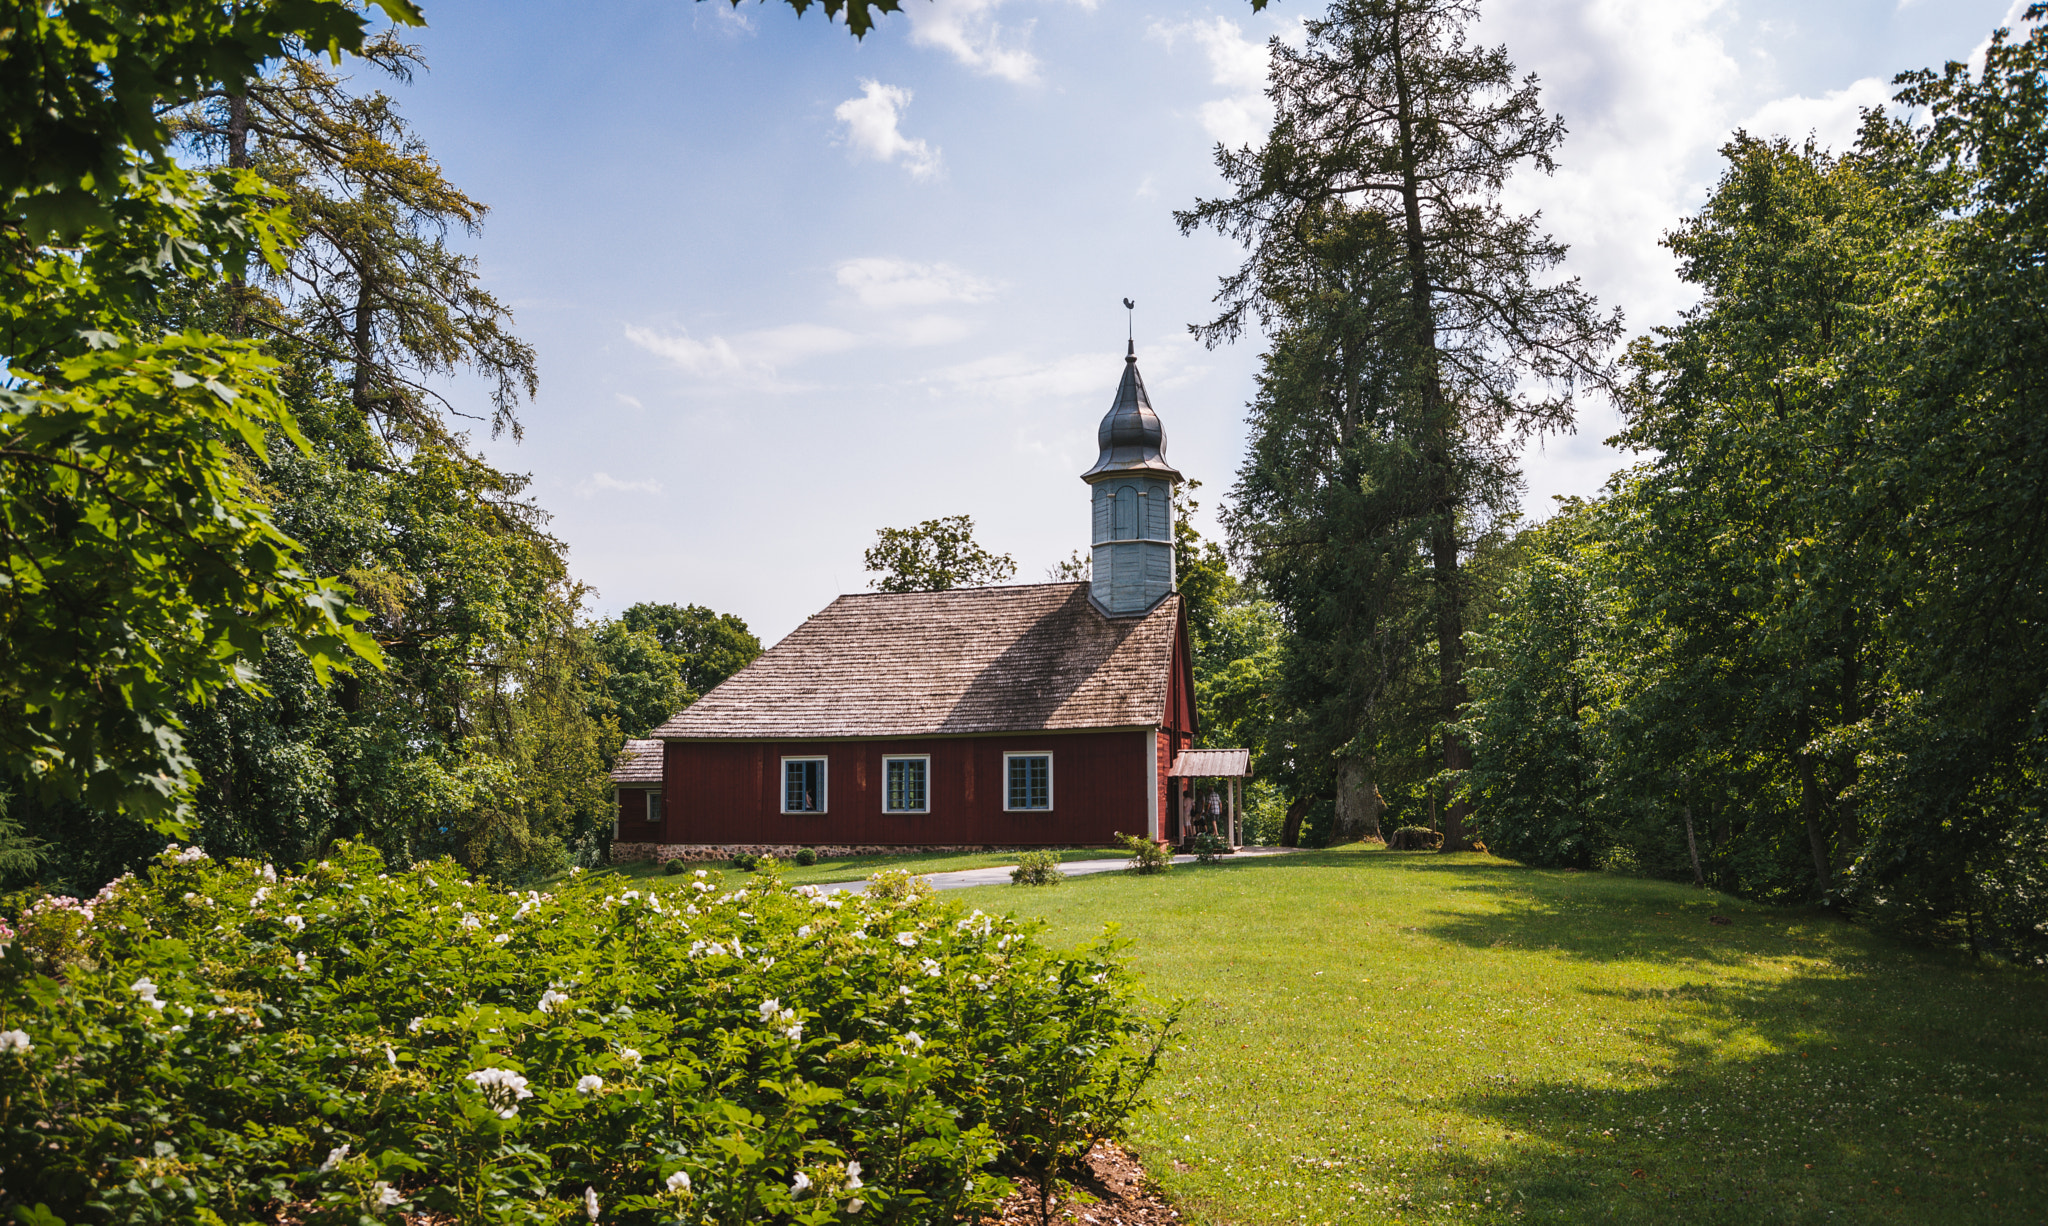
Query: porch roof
(1212, 764)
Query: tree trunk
(1290, 833)
(1450, 657)
(1443, 537)
(1848, 829)
(359, 382)
(1809, 799)
(1358, 803)
(1692, 845)
(238, 159)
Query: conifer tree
(1377, 189)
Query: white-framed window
(803, 785)
(906, 785)
(1027, 781)
(654, 806)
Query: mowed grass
(1407, 1037)
(851, 868)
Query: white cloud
(881, 282)
(1832, 118)
(1239, 65)
(1019, 379)
(926, 330)
(605, 483)
(724, 17)
(751, 359)
(1649, 92)
(968, 30)
(871, 128)
(756, 360)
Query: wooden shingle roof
(1039, 657)
(639, 761)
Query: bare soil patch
(1115, 1191)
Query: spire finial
(1131, 327)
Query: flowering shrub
(1037, 868)
(218, 1042)
(1147, 855)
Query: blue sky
(788, 289)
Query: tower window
(1126, 514)
(906, 785)
(803, 785)
(1029, 779)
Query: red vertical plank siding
(730, 791)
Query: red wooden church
(1042, 714)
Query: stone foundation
(705, 852)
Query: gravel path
(999, 874)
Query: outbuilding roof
(1211, 764)
(639, 761)
(1039, 657)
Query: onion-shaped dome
(1131, 438)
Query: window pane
(1031, 782)
(905, 790)
(654, 806)
(803, 786)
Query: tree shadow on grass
(1908, 1097)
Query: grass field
(856, 868)
(1408, 1037)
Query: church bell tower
(1132, 490)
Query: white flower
(590, 1203)
(800, 1185)
(334, 1157)
(501, 938)
(784, 1020)
(629, 1057)
(589, 1083)
(184, 856)
(906, 939)
(903, 990)
(469, 920)
(931, 967)
(302, 961)
(295, 923)
(698, 873)
(502, 1088)
(852, 1176)
(855, 1205)
(147, 991)
(413, 1026)
(390, 1055)
(262, 892)
(803, 932)
(679, 1182)
(807, 891)
(386, 1195)
(551, 1000)
(269, 873)
(913, 1040)
(15, 1041)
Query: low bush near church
(1037, 868)
(1147, 855)
(219, 1042)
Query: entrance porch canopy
(1233, 766)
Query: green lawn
(857, 868)
(1407, 1037)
